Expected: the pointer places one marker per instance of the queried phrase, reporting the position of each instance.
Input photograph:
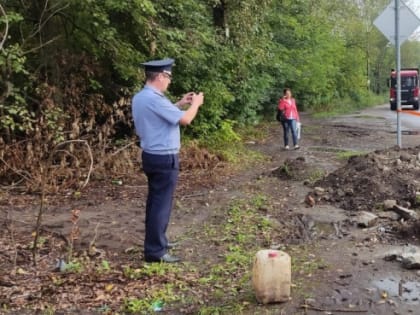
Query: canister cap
(272, 254)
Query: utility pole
(398, 62)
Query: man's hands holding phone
(196, 100)
(191, 98)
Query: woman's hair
(286, 90)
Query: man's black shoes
(167, 258)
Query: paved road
(383, 119)
(410, 119)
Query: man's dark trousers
(162, 175)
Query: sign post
(398, 63)
(405, 23)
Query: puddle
(407, 291)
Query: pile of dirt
(292, 169)
(367, 180)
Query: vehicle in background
(409, 88)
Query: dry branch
(10, 227)
(6, 30)
(123, 148)
(45, 178)
(16, 171)
(90, 156)
(342, 310)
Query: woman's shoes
(295, 147)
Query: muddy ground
(353, 279)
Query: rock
(389, 204)
(405, 157)
(381, 229)
(392, 255)
(365, 219)
(393, 216)
(408, 255)
(326, 197)
(405, 213)
(349, 191)
(340, 193)
(411, 260)
(319, 191)
(309, 200)
(405, 204)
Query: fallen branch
(405, 213)
(193, 195)
(343, 310)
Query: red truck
(409, 88)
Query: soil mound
(367, 180)
(292, 169)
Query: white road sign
(385, 22)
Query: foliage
(349, 104)
(68, 69)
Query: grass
(220, 282)
(348, 105)
(315, 175)
(370, 117)
(344, 155)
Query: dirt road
(358, 277)
(351, 275)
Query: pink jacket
(289, 108)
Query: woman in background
(288, 105)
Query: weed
(156, 301)
(347, 105)
(316, 175)
(150, 270)
(41, 241)
(344, 155)
(221, 284)
(134, 305)
(259, 200)
(237, 256)
(104, 267)
(257, 132)
(417, 201)
(285, 170)
(370, 117)
(50, 310)
(75, 231)
(74, 266)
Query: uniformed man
(157, 121)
